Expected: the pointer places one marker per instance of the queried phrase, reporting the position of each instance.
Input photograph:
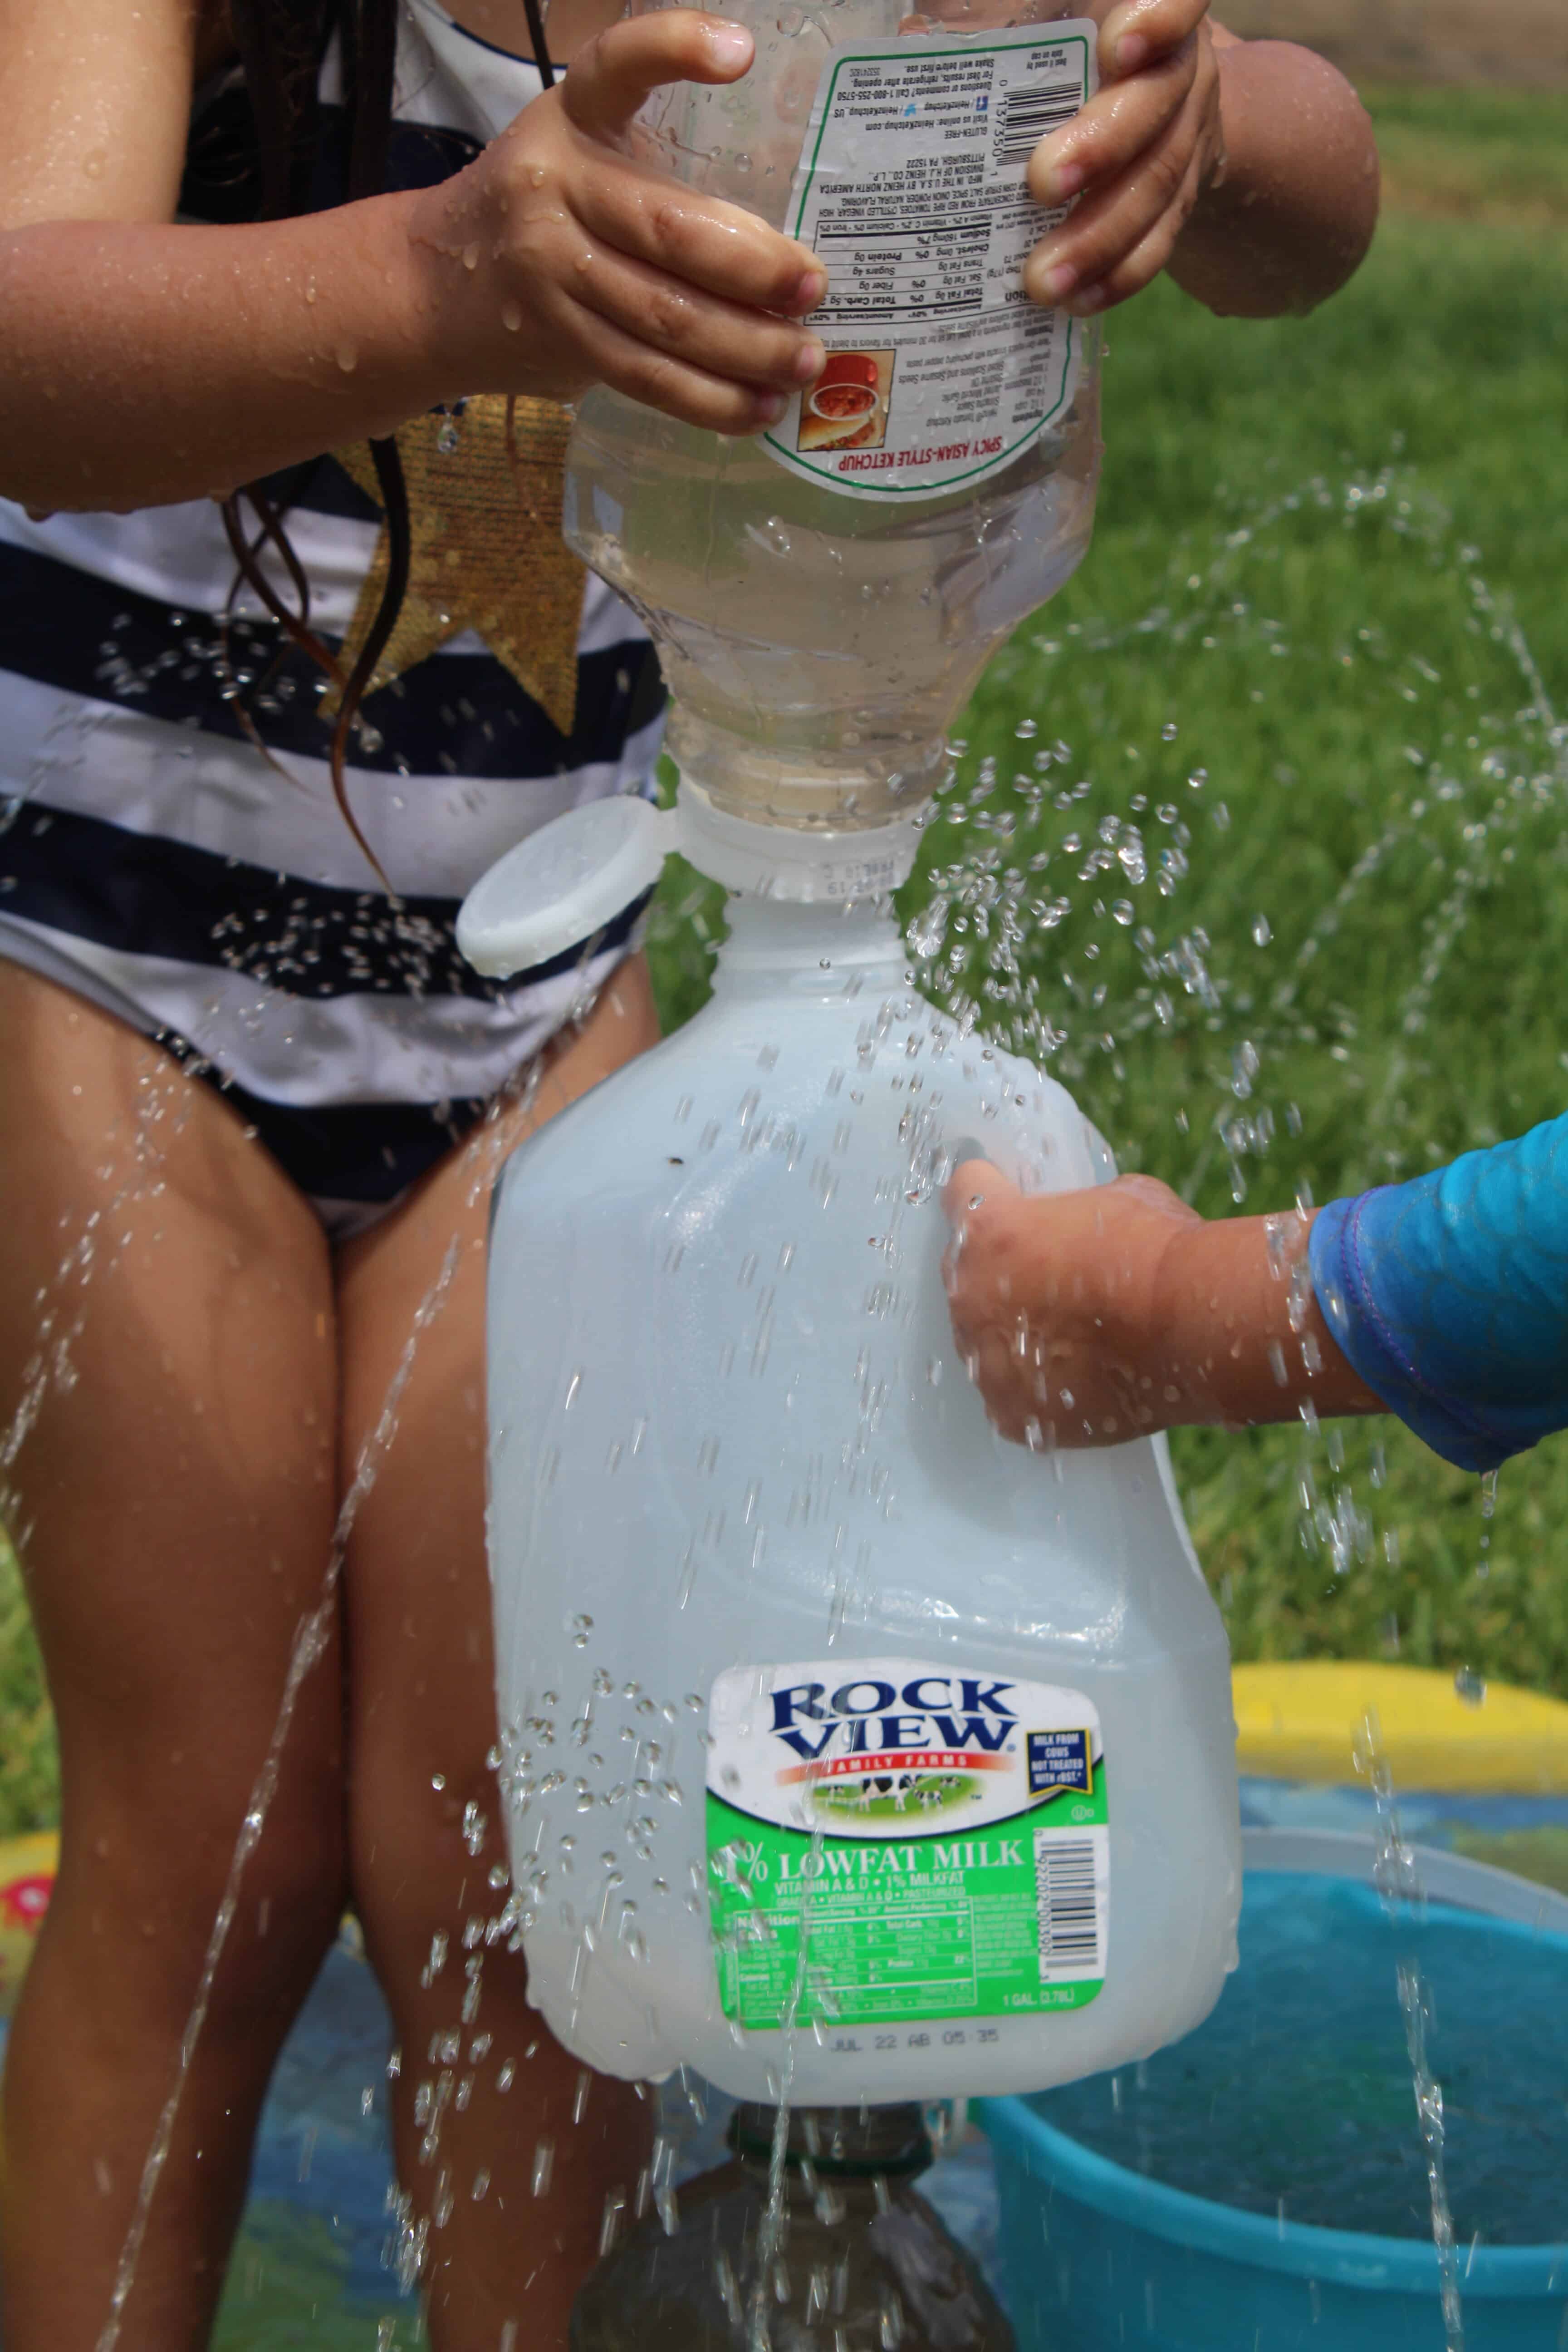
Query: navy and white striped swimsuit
(151, 858)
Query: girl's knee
(141, 1890)
(426, 1860)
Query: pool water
(1295, 2098)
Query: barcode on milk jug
(1028, 115)
(1068, 1903)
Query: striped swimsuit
(156, 861)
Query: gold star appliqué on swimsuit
(487, 550)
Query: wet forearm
(144, 364)
(1242, 1336)
(1291, 215)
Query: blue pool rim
(1348, 2258)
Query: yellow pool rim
(1300, 1722)
(34, 1856)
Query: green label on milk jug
(892, 1841)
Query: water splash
(1398, 1879)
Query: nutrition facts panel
(930, 269)
(911, 189)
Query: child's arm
(1103, 1314)
(1245, 168)
(145, 362)
(1097, 1315)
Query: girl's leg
(167, 1347)
(507, 2243)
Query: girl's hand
(559, 262)
(1147, 146)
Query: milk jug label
(892, 1843)
(911, 190)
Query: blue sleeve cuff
(1449, 1297)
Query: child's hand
(1056, 1305)
(1089, 1318)
(561, 262)
(1142, 151)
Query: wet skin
(174, 1508)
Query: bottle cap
(566, 881)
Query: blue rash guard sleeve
(1449, 1297)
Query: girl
(252, 1098)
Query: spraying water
(1398, 1881)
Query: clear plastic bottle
(849, 1752)
(819, 643)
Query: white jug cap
(563, 883)
(576, 873)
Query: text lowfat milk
(846, 1747)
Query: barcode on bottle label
(1071, 1886)
(1027, 116)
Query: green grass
(1476, 155)
(29, 1767)
(1281, 570)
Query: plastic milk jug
(849, 1752)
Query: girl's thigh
(417, 1602)
(167, 1447)
(426, 1848)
